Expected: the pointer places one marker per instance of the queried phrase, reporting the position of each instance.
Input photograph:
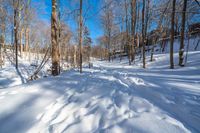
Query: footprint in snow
(3, 93)
(1, 97)
(32, 91)
(142, 110)
(13, 92)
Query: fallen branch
(44, 61)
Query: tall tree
(181, 49)
(27, 20)
(80, 35)
(54, 40)
(143, 34)
(16, 26)
(59, 31)
(108, 25)
(128, 44)
(133, 26)
(172, 35)
(3, 15)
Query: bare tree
(181, 50)
(16, 26)
(1, 44)
(133, 26)
(128, 44)
(172, 35)
(3, 14)
(54, 40)
(80, 35)
(143, 34)
(107, 22)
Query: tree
(54, 40)
(143, 34)
(65, 42)
(3, 14)
(107, 22)
(87, 41)
(172, 35)
(159, 29)
(1, 44)
(16, 26)
(128, 44)
(80, 35)
(27, 19)
(133, 26)
(181, 49)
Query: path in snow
(111, 97)
(100, 102)
(175, 91)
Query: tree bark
(26, 39)
(181, 50)
(1, 60)
(20, 44)
(16, 25)
(172, 36)
(127, 34)
(143, 34)
(54, 40)
(80, 35)
(133, 25)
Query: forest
(95, 66)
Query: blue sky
(93, 22)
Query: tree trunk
(143, 34)
(187, 48)
(1, 59)
(59, 36)
(181, 50)
(74, 55)
(26, 39)
(197, 45)
(172, 36)
(54, 41)
(80, 35)
(21, 45)
(16, 31)
(133, 25)
(152, 49)
(127, 35)
(146, 23)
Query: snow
(9, 76)
(110, 97)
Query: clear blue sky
(93, 23)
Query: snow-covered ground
(110, 97)
(9, 76)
